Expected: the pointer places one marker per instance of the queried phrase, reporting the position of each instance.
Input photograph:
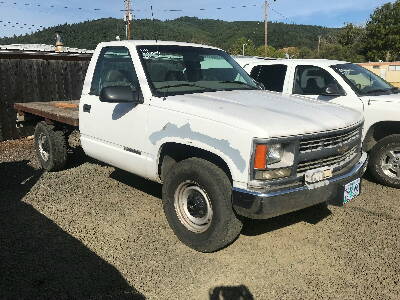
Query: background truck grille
(329, 150)
(329, 141)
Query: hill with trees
(379, 39)
(212, 32)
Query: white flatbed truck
(189, 117)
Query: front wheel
(198, 206)
(384, 164)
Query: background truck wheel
(384, 163)
(51, 148)
(198, 206)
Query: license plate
(317, 175)
(351, 190)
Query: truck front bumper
(261, 205)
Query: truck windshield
(178, 70)
(363, 81)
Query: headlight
(273, 161)
(275, 153)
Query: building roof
(43, 51)
(41, 48)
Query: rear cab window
(271, 76)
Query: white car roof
(152, 43)
(263, 61)
(250, 59)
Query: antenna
(128, 19)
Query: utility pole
(128, 19)
(266, 25)
(319, 43)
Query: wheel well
(179, 152)
(379, 131)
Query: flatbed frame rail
(65, 112)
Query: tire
(167, 164)
(384, 163)
(215, 224)
(51, 147)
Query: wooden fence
(26, 77)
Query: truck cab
(345, 84)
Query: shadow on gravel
(312, 215)
(149, 187)
(38, 260)
(77, 157)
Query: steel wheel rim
(193, 207)
(44, 148)
(390, 163)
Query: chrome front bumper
(260, 205)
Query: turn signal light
(260, 157)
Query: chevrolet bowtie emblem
(343, 149)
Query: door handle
(87, 108)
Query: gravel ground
(93, 232)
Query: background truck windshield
(177, 70)
(363, 81)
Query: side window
(272, 76)
(114, 68)
(311, 80)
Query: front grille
(320, 152)
(331, 161)
(329, 141)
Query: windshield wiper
(378, 91)
(239, 82)
(187, 84)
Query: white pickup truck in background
(188, 116)
(349, 85)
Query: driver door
(115, 132)
(316, 83)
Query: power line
(48, 6)
(20, 25)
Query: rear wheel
(384, 164)
(51, 147)
(198, 206)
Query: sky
(45, 13)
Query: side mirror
(119, 94)
(333, 90)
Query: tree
(269, 52)
(351, 35)
(237, 47)
(383, 33)
(339, 52)
(305, 52)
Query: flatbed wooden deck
(66, 112)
